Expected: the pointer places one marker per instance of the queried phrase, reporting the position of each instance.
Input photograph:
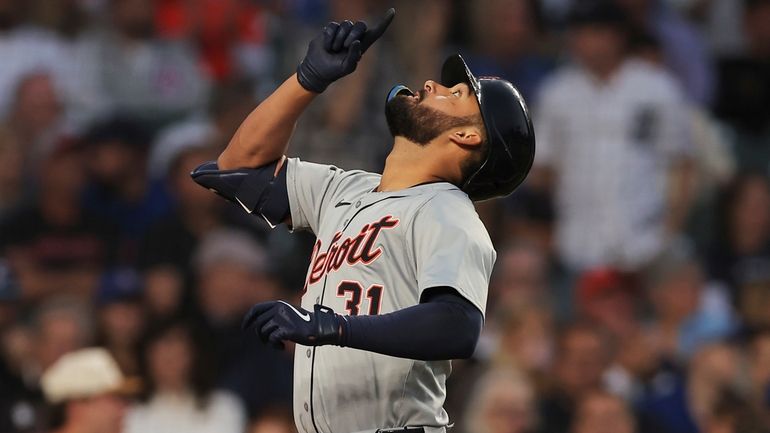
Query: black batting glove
(335, 52)
(276, 321)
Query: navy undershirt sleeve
(443, 326)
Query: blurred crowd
(632, 287)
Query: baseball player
(397, 284)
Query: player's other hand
(276, 321)
(335, 52)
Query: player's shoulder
(454, 211)
(339, 179)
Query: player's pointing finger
(374, 33)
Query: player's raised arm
(263, 137)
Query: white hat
(82, 374)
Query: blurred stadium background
(632, 286)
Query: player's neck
(407, 165)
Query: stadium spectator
(120, 316)
(611, 132)
(275, 421)
(231, 275)
(118, 188)
(502, 401)
(53, 244)
(607, 299)
(179, 390)
(582, 356)
(600, 412)
(740, 253)
(758, 358)
(684, 406)
(84, 386)
(687, 312)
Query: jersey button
(308, 353)
(358, 203)
(318, 300)
(306, 407)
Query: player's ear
(468, 136)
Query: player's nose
(432, 87)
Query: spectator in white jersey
(612, 131)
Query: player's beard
(418, 123)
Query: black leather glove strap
(327, 325)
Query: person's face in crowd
(37, 107)
(598, 48)
(757, 31)
(718, 364)
(613, 311)
(530, 338)
(603, 413)
(581, 361)
(111, 162)
(677, 296)
(227, 289)
(102, 414)
(509, 408)
(521, 278)
(163, 290)
(8, 14)
(750, 215)
(134, 18)
(58, 334)
(170, 360)
(122, 322)
(62, 175)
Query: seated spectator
(179, 393)
(36, 115)
(169, 244)
(733, 414)
(85, 388)
(231, 275)
(23, 49)
(607, 298)
(53, 244)
(520, 280)
(118, 188)
(687, 313)
(526, 341)
(120, 316)
(600, 412)
(502, 401)
(684, 406)
(581, 359)
(740, 253)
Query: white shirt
(611, 144)
(174, 413)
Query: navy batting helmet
(510, 136)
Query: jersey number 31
(354, 290)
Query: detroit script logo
(353, 250)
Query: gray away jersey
(375, 253)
